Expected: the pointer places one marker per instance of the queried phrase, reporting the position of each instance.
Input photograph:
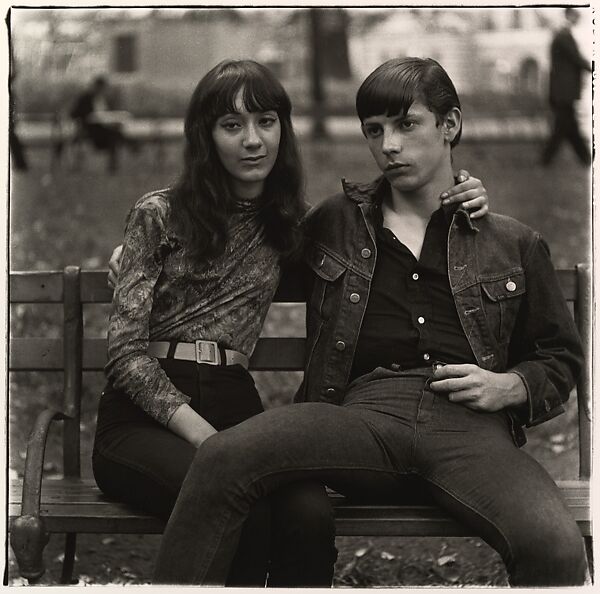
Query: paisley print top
(164, 294)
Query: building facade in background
(154, 57)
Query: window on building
(125, 53)
(517, 21)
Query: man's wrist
(517, 392)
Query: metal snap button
(426, 356)
(510, 286)
(354, 298)
(365, 253)
(340, 345)
(421, 320)
(415, 276)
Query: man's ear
(451, 124)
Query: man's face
(411, 150)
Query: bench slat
(46, 354)
(47, 287)
(79, 506)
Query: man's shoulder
(331, 207)
(503, 228)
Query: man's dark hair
(393, 87)
(202, 200)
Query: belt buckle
(207, 351)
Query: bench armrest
(34, 462)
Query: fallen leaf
(387, 556)
(446, 559)
(108, 540)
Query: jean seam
(201, 573)
(475, 511)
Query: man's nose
(252, 136)
(392, 143)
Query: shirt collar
(373, 192)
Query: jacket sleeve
(545, 348)
(129, 368)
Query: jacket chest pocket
(328, 282)
(502, 299)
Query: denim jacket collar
(367, 193)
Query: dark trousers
(288, 536)
(566, 127)
(391, 428)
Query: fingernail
(445, 202)
(444, 195)
(461, 178)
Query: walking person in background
(431, 340)
(567, 65)
(94, 117)
(200, 264)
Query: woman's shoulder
(155, 203)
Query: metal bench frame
(74, 505)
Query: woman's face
(247, 144)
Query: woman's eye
(267, 122)
(230, 125)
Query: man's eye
(407, 125)
(373, 131)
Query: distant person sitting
(98, 123)
(567, 65)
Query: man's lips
(392, 166)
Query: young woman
(200, 264)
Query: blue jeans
(390, 428)
(288, 538)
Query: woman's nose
(252, 137)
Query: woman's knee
(303, 511)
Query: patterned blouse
(163, 294)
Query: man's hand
(114, 265)
(478, 389)
(470, 191)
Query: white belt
(200, 351)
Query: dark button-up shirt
(411, 317)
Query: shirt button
(330, 391)
(415, 276)
(340, 345)
(426, 356)
(510, 286)
(365, 253)
(354, 298)
(421, 320)
(395, 367)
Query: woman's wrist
(189, 425)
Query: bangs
(390, 93)
(261, 92)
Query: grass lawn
(67, 217)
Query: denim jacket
(504, 286)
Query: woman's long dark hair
(202, 200)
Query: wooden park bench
(72, 505)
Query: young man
(431, 340)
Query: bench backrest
(74, 353)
